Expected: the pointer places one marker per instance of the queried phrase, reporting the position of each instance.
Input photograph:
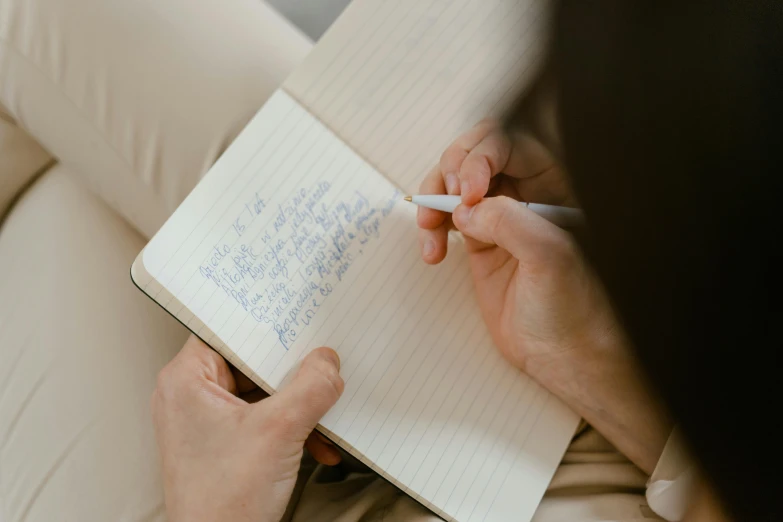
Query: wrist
(599, 379)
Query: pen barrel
(561, 216)
(440, 202)
(564, 217)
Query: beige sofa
(109, 114)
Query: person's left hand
(225, 458)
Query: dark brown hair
(671, 121)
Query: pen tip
(408, 198)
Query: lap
(594, 483)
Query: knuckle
(431, 181)
(335, 382)
(167, 385)
(501, 150)
(478, 166)
(164, 380)
(565, 250)
(485, 127)
(325, 378)
(208, 358)
(451, 157)
(287, 420)
(278, 422)
(500, 214)
(488, 122)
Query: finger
(323, 451)
(453, 157)
(433, 236)
(428, 218)
(196, 373)
(434, 244)
(487, 159)
(510, 225)
(550, 187)
(254, 396)
(197, 361)
(315, 388)
(504, 186)
(450, 165)
(244, 384)
(528, 157)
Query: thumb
(509, 224)
(312, 392)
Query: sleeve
(670, 486)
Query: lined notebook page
(292, 242)
(398, 80)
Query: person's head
(671, 121)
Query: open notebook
(298, 237)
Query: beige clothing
(136, 99)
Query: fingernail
(452, 183)
(429, 248)
(462, 215)
(465, 186)
(333, 357)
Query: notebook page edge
(141, 277)
(246, 369)
(143, 280)
(155, 291)
(417, 159)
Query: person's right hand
(537, 296)
(545, 309)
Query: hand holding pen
(543, 306)
(484, 163)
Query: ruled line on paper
(457, 377)
(418, 370)
(283, 155)
(455, 43)
(438, 307)
(404, 330)
(272, 238)
(228, 278)
(490, 103)
(469, 76)
(239, 172)
(371, 69)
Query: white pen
(561, 216)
